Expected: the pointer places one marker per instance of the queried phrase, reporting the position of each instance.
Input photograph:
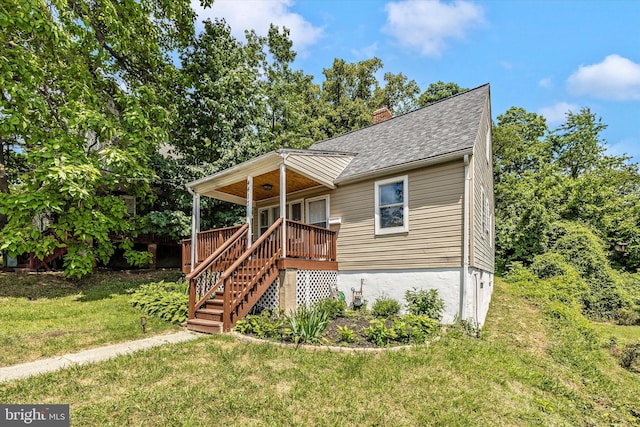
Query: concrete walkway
(99, 354)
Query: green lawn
(623, 334)
(45, 315)
(513, 375)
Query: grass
(624, 334)
(516, 374)
(45, 315)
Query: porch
(230, 269)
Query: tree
(85, 99)
(437, 91)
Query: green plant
(385, 307)
(627, 317)
(165, 300)
(332, 306)
(267, 324)
(307, 324)
(421, 301)
(346, 334)
(467, 327)
(629, 355)
(414, 328)
(378, 333)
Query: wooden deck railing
(204, 278)
(208, 242)
(310, 242)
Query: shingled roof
(446, 127)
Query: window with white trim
(269, 214)
(318, 211)
(392, 205)
(484, 206)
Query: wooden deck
(230, 278)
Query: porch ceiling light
(267, 187)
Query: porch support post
(195, 228)
(249, 210)
(283, 206)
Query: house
(406, 202)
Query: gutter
(403, 167)
(465, 240)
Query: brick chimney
(381, 114)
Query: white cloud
(257, 15)
(506, 65)
(629, 147)
(546, 82)
(556, 113)
(615, 78)
(366, 52)
(426, 26)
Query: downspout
(195, 226)
(465, 240)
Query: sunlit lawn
(507, 377)
(50, 316)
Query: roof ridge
(404, 114)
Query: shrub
(415, 328)
(629, 355)
(551, 264)
(426, 302)
(267, 324)
(378, 333)
(385, 307)
(307, 324)
(346, 334)
(165, 300)
(333, 307)
(627, 317)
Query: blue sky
(547, 57)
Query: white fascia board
(258, 166)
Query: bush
(414, 328)
(307, 324)
(629, 355)
(627, 317)
(333, 307)
(164, 300)
(346, 334)
(385, 307)
(267, 324)
(379, 334)
(425, 302)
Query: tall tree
(437, 91)
(83, 95)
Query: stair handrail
(204, 264)
(228, 308)
(207, 263)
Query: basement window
(392, 205)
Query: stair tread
(204, 322)
(210, 311)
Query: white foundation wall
(480, 289)
(394, 284)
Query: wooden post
(153, 249)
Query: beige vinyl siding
(434, 239)
(482, 244)
(318, 166)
